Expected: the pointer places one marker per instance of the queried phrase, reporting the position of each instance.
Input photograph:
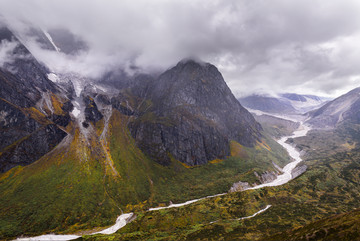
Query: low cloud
(6, 52)
(304, 46)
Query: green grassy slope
(331, 186)
(338, 227)
(74, 187)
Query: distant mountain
(305, 103)
(267, 104)
(287, 103)
(343, 108)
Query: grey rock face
(14, 124)
(192, 141)
(120, 103)
(297, 171)
(239, 187)
(266, 177)
(22, 80)
(25, 138)
(92, 114)
(31, 148)
(193, 117)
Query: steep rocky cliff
(31, 107)
(192, 116)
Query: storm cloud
(276, 46)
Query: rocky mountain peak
(194, 116)
(193, 83)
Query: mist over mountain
(271, 46)
(26, 135)
(123, 134)
(191, 120)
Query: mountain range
(96, 148)
(286, 103)
(77, 152)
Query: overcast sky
(307, 46)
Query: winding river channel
(122, 220)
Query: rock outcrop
(239, 187)
(266, 177)
(192, 117)
(297, 171)
(92, 113)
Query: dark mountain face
(23, 76)
(193, 116)
(26, 133)
(188, 113)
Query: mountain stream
(123, 219)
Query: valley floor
(280, 180)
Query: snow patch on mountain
(48, 36)
(53, 77)
(76, 111)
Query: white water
(280, 180)
(50, 237)
(185, 203)
(122, 220)
(286, 176)
(262, 210)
